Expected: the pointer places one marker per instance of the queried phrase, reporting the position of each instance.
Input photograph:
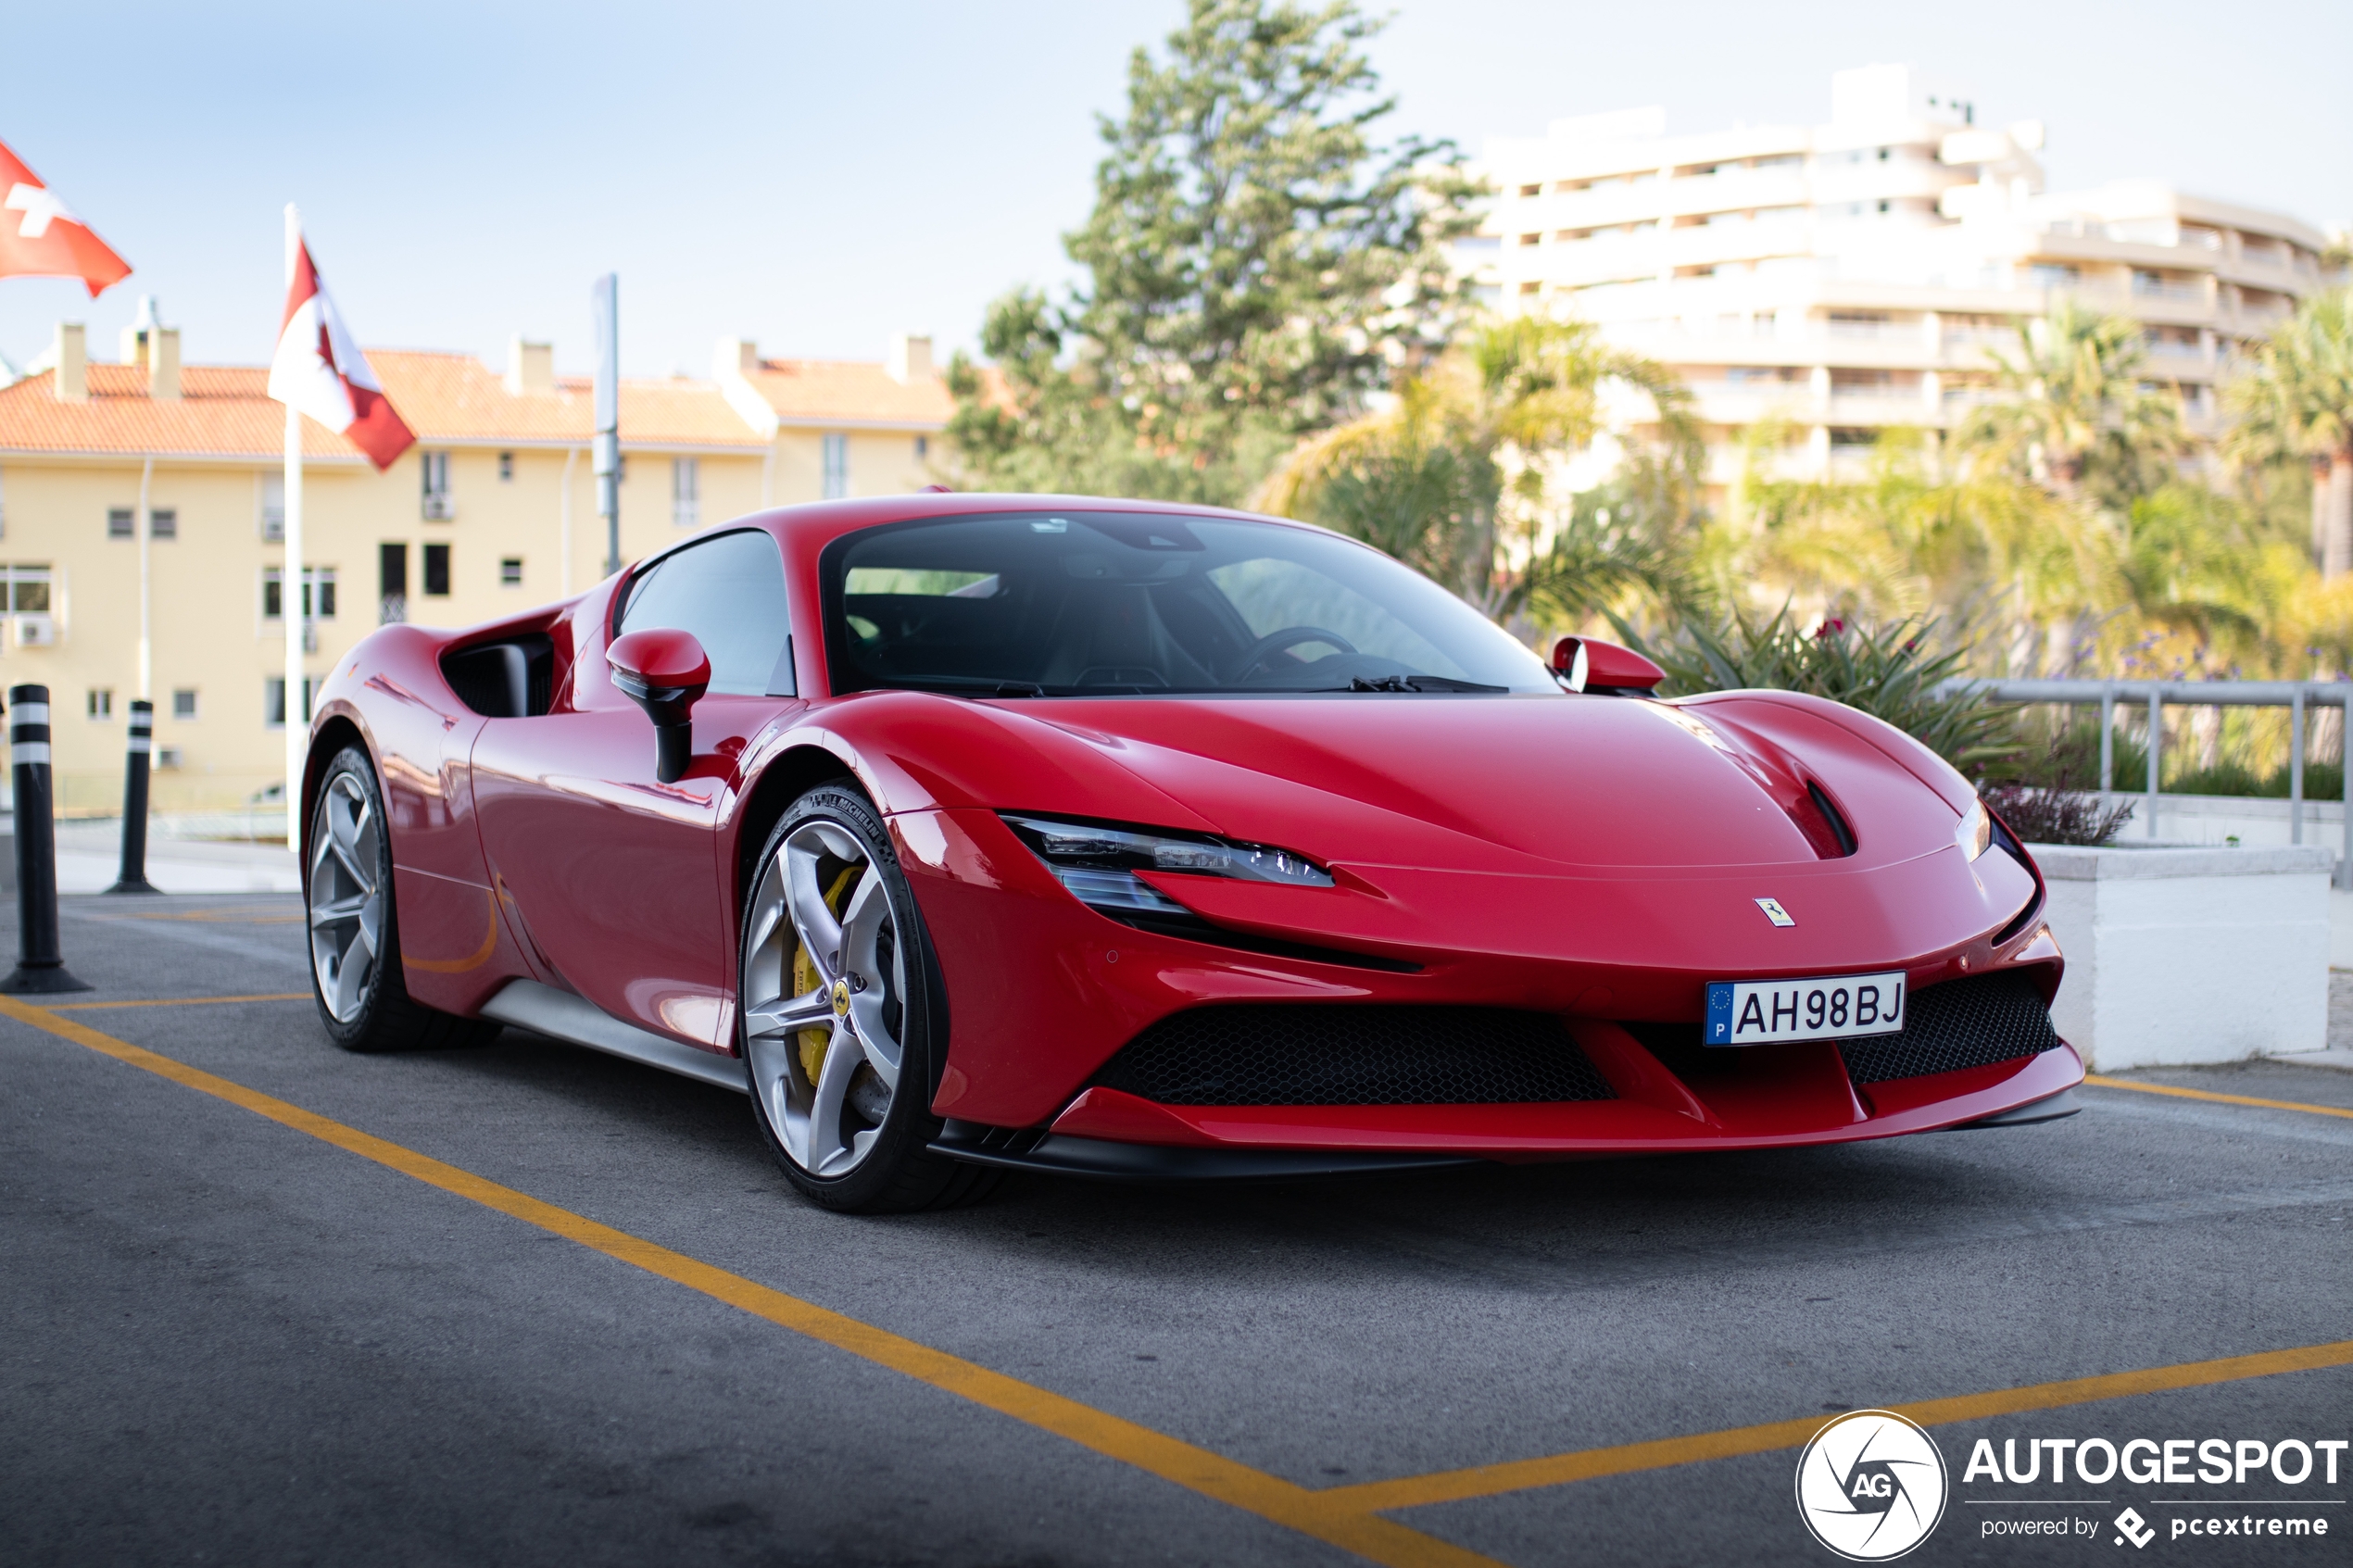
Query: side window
(730, 593)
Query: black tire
(897, 1173)
(374, 1011)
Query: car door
(611, 875)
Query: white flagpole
(290, 586)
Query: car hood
(1534, 783)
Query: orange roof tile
(223, 412)
(851, 391)
(457, 397)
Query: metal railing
(2296, 697)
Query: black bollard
(40, 966)
(133, 876)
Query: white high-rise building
(1849, 277)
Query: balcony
(2147, 285)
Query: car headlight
(1099, 864)
(1976, 830)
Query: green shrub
(2066, 754)
(1890, 672)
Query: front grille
(1972, 1023)
(1363, 1054)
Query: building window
(685, 492)
(391, 584)
(437, 571)
(101, 703)
(435, 468)
(27, 590)
(923, 447)
(836, 449)
(506, 468)
(273, 508)
(184, 703)
(122, 522)
(274, 701)
(318, 593)
(511, 573)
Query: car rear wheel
(355, 939)
(840, 1024)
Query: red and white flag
(319, 371)
(41, 237)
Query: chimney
(163, 364)
(70, 357)
(531, 368)
(909, 357)
(136, 333)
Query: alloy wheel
(346, 895)
(825, 981)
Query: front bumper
(1043, 991)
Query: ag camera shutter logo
(1870, 1485)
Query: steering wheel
(1274, 642)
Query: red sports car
(980, 832)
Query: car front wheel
(838, 1024)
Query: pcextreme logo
(1870, 1485)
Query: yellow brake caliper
(804, 979)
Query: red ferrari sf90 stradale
(974, 833)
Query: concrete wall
(2184, 955)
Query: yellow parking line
(1318, 1514)
(180, 1001)
(2218, 1100)
(1483, 1481)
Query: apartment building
(1843, 278)
(493, 510)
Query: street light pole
(605, 308)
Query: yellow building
(493, 510)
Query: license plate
(1759, 1012)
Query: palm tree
(1459, 475)
(2296, 400)
(2076, 416)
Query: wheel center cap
(841, 998)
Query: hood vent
(1841, 835)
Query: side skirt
(561, 1015)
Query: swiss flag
(319, 371)
(41, 237)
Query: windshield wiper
(1416, 684)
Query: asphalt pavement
(229, 1339)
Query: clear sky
(817, 177)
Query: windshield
(1071, 603)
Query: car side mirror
(1590, 664)
(665, 672)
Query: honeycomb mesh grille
(1960, 1023)
(1363, 1054)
